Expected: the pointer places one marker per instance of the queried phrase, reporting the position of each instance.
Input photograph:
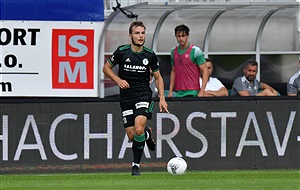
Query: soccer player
(187, 62)
(135, 64)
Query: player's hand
(163, 106)
(123, 84)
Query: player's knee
(139, 130)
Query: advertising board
(49, 49)
(209, 135)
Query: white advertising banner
(49, 58)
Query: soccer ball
(177, 166)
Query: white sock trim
(147, 135)
(135, 164)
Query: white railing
(109, 4)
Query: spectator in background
(248, 85)
(293, 85)
(214, 86)
(187, 61)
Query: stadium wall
(86, 135)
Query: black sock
(138, 148)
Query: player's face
(138, 36)
(182, 38)
(250, 72)
(209, 67)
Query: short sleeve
(115, 57)
(238, 85)
(292, 85)
(199, 56)
(154, 63)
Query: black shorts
(130, 112)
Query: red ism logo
(72, 59)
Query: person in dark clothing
(136, 62)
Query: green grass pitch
(250, 179)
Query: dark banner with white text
(210, 135)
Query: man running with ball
(136, 62)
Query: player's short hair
(135, 24)
(182, 28)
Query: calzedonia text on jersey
(135, 68)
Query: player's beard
(250, 78)
(136, 44)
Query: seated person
(293, 85)
(214, 86)
(248, 85)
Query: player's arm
(266, 86)
(107, 70)
(221, 92)
(244, 93)
(204, 76)
(291, 88)
(172, 82)
(163, 106)
(172, 75)
(238, 86)
(200, 61)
